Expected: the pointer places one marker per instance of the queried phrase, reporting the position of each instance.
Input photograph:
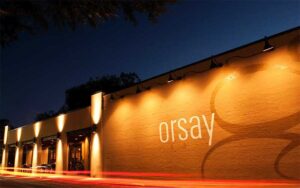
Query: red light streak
(138, 179)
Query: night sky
(36, 70)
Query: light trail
(139, 179)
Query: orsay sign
(186, 128)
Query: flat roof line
(207, 58)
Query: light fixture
(35, 140)
(94, 128)
(268, 46)
(170, 79)
(213, 64)
(58, 136)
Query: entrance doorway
(79, 149)
(27, 156)
(75, 157)
(51, 154)
(11, 156)
(48, 153)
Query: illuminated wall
(240, 121)
(59, 157)
(96, 108)
(96, 156)
(60, 122)
(37, 128)
(71, 121)
(3, 160)
(4, 153)
(18, 154)
(96, 113)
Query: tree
(45, 115)
(80, 96)
(32, 16)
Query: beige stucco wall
(257, 115)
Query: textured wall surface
(256, 134)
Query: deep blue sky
(36, 70)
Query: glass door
(75, 157)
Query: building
(3, 124)
(226, 117)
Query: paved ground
(25, 182)
(11, 181)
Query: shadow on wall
(273, 129)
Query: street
(13, 181)
(28, 182)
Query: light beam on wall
(34, 157)
(16, 158)
(5, 135)
(19, 133)
(60, 121)
(95, 156)
(37, 128)
(3, 162)
(96, 108)
(59, 157)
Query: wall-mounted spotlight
(267, 46)
(213, 64)
(58, 136)
(94, 128)
(35, 140)
(17, 143)
(170, 79)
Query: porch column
(36, 146)
(19, 150)
(61, 146)
(4, 157)
(4, 149)
(96, 115)
(18, 157)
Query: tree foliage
(80, 96)
(45, 115)
(32, 16)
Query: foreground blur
(19, 177)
